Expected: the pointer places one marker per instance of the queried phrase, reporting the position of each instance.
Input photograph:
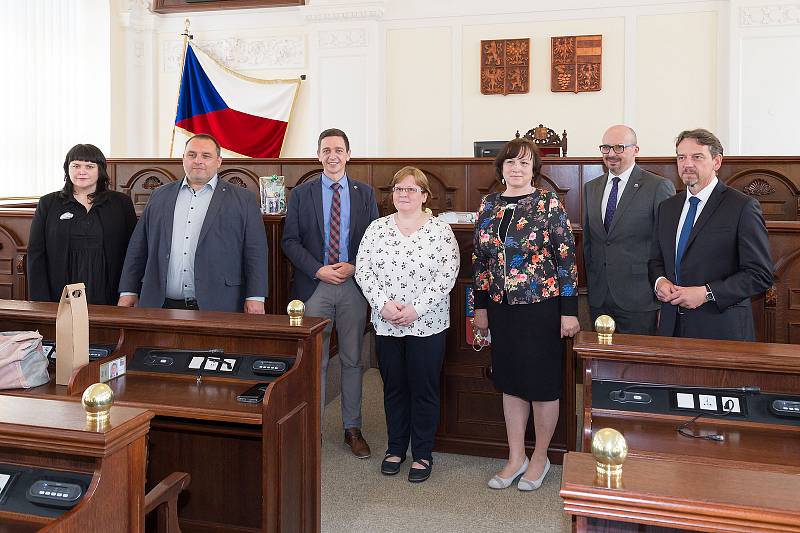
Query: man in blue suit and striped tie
(710, 252)
(326, 217)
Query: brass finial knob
(296, 309)
(97, 400)
(604, 326)
(610, 450)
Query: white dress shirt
(703, 195)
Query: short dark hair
(91, 154)
(512, 150)
(703, 138)
(333, 132)
(204, 136)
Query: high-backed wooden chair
(549, 142)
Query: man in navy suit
(200, 243)
(325, 220)
(710, 250)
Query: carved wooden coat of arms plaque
(505, 66)
(576, 64)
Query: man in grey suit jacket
(710, 250)
(618, 219)
(325, 220)
(200, 243)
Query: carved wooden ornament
(576, 64)
(505, 66)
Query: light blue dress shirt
(190, 212)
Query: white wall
(401, 76)
(765, 78)
(55, 88)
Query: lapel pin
(635, 185)
(66, 216)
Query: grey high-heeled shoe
(533, 484)
(498, 482)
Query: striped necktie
(333, 236)
(611, 206)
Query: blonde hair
(420, 179)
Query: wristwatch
(709, 294)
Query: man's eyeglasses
(618, 148)
(407, 190)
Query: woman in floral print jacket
(526, 279)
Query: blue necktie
(611, 206)
(683, 240)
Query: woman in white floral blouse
(407, 265)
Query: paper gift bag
(72, 332)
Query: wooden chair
(163, 498)
(549, 142)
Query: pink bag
(22, 361)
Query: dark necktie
(611, 206)
(683, 240)
(333, 236)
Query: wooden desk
(749, 481)
(53, 435)
(254, 467)
(680, 494)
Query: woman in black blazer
(80, 234)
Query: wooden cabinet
(50, 439)
(744, 478)
(254, 467)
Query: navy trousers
(410, 368)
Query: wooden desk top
(60, 426)
(674, 493)
(740, 355)
(174, 320)
(168, 396)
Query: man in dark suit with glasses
(619, 213)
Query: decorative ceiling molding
(354, 38)
(349, 12)
(244, 54)
(771, 15)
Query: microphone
(620, 395)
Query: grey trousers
(346, 307)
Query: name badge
(66, 216)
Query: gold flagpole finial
(186, 24)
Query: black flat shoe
(418, 475)
(390, 468)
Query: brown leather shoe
(359, 446)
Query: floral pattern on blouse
(536, 261)
(420, 269)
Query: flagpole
(186, 38)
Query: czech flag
(248, 116)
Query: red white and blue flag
(248, 116)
